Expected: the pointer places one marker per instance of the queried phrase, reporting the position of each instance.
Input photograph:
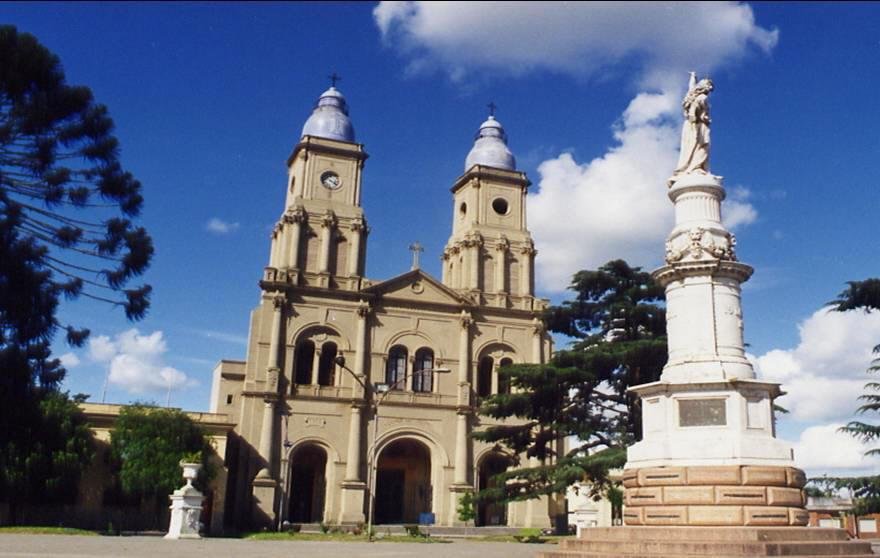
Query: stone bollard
(186, 506)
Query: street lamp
(378, 392)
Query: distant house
(834, 511)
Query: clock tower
(320, 239)
(490, 253)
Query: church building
(353, 385)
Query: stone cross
(415, 248)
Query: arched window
(423, 374)
(305, 354)
(503, 380)
(484, 377)
(327, 365)
(395, 371)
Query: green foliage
(864, 295)
(466, 509)
(619, 328)
(66, 206)
(44, 462)
(865, 491)
(148, 444)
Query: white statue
(695, 139)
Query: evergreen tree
(66, 206)
(864, 295)
(619, 328)
(65, 210)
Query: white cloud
(821, 449)
(218, 226)
(136, 362)
(69, 360)
(614, 206)
(825, 373)
(736, 209)
(579, 38)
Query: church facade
(353, 386)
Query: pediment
(417, 286)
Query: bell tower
(320, 238)
(490, 252)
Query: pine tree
(66, 206)
(863, 295)
(619, 326)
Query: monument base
(675, 542)
(730, 495)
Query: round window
(500, 206)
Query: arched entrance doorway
(403, 482)
(308, 484)
(488, 513)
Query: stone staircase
(714, 542)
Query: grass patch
(339, 537)
(26, 530)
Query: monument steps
(727, 542)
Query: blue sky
(209, 100)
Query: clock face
(331, 180)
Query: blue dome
(329, 118)
(490, 148)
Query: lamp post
(383, 390)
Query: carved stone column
(464, 360)
(273, 253)
(500, 264)
(537, 341)
(328, 226)
(476, 244)
(525, 280)
(444, 277)
(354, 255)
(353, 486)
(267, 429)
(460, 473)
(316, 365)
(297, 218)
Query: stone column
(525, 279)
(271, 387)
(328, 223)
(284, 251)
(273, 252)
(353, 486)
(354, 254)
(460, 474)
(461, 437)
(444, 277)
(316, 365)
(476, 245)
(537, 341)
(500, 263)
(297, 219)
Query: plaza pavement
(50, 546)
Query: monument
(709, 476)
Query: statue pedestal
(186, 508)
(646, 542)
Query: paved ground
(33, 546)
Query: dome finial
(490, 148)
(329, 118)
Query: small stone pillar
(186, 506)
